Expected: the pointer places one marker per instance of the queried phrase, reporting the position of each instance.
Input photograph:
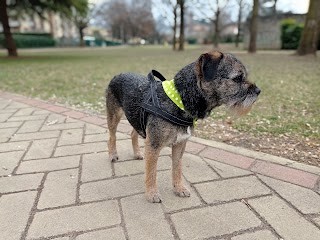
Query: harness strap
(152, 105)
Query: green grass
(289, 103)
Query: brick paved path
(56, 183)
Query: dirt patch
(304, 150)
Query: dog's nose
(257, 90)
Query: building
(269, 30)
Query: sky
(296, 6)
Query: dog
(214, 79)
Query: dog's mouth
(243, 105)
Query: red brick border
(277, 171)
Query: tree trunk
(239, 22)
(216, 39)
(174, 39)
(254, 27)
(4, 19)
(181, 37)
(309, 40)
(82, 44)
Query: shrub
(30, 40)
(290, 34)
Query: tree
(37, 6)
(174, 39)
(9, 42)
(239, 21)
(254, 27)
(181, 37)
(81, 20)
(218, 9)
(309, 40)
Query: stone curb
(262, 163)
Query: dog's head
(223, 80)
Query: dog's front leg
(151, 155)
(178, 186)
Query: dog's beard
(241, 107)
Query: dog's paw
(139, 156)
(181, 191)
(153, 197)
(113, 157)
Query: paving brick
(237, 188)
(285, 173)
(57, 109)
(41, 149)
(5, 116)
(196, 170)
(59, 189)
(13, 146)
(49, 164)
(112, 188)
(15, 209)
(16, 105)
(7, 134)
(62, 126)
(27, 118)
(124, 128)
(226, 170)
(10, 124)
(194, 148)
(93, 129)
(95, 166)
(71, 136)
(125, 151)
(214, 221)
(4, 103)
(20, 182)
(259, 235)
(137, 166)
(8, 161)
(172, 202)
(101, 137)
(80, 149)
(77, 218)
(306, 200)
(2, 111)
(75, 114)
(40, 112)
(24, 112)
(54, 118)
(227, 157)
(94, 120)
(31, 126)
(112, 233)
(287, 222)
(34, 136)
(138, 212)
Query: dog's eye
(238, 79)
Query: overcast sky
(296, 6)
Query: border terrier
(213, 80)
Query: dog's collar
(172, 93)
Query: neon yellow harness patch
(171, 91)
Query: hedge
(30, 40)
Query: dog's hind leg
(178, 186)
(114, 113)
(135, 144)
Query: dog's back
(126, 91)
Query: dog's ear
(207, 65)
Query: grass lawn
(289, 104)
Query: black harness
(151, 105)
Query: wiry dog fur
(211, 81)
